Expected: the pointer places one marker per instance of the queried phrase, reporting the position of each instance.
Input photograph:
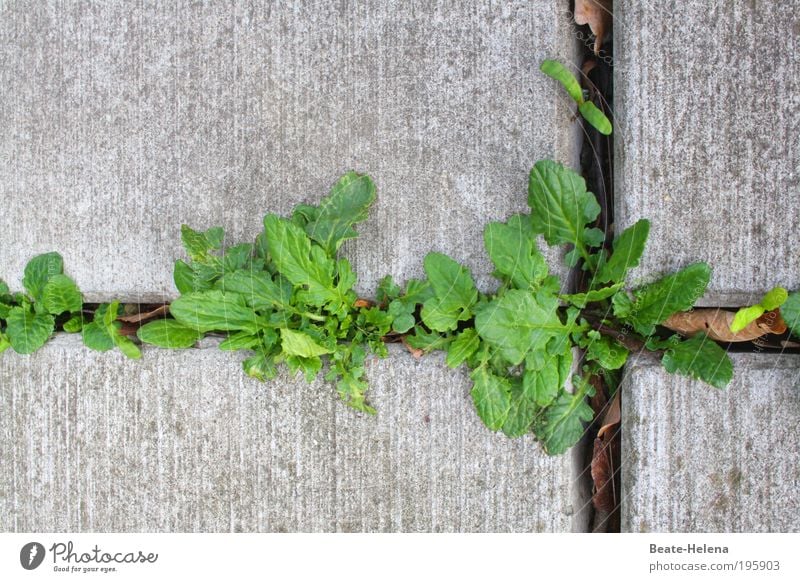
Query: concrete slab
(183, 441)
(696, 459)
(708, 139)
(120, 122)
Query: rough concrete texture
(696, 459)
(708, 139)
(121, 121)
(183, 441)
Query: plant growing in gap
(587, 109)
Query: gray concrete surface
(696, 459)
(183, 441)
(120, 121)
(708, 139)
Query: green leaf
(309, 366)
(512, 248)
(199, 245)
(38, 272)
(520, 322)
(628, 249)
(561, 206)
(240, 341)
(183, 275)
(260, 366)
(4, 343)
(774, 298)
(302, 263)
(214, 311)
(581, 299)
(521, 413)
(790, 311)
(3, 288)
(61, 294)
(428, 342)
(403, 322)
(700, 358)
(74, 324)
(655, 302)
(541, 386)
(126, 346)
(96, 337)
(561, 424)
(28, 331)
(296, 343)
(168, 333)
(606, 352)
(560, 73)
(258, 289)
(465, 344)
(454, 293)
(347, 204)
(492, 397)
(745, 316)
(595, 117)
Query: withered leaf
(603, 476)
(716, 323)
(597, 14)
(145, 315)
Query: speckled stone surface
(708, 139)
(183, 441)
(697, 459)
(120, 121)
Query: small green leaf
(561, 424)
(183, 275)
(127, 347)
(606, 352)
(260, 366)
(492, 397)
(4, 343)
(28, 331)
(258, 289)
(655, 302)
(168, 333)
(700, 358)
(512, 248)
(240, 341)
(214, 311)
(347, 205)
(74, 324)
(595, 117)
(96, 337)
(559, 72)
(296, 343)
(745, 316)
(790, 311)
(542, 385)
(774, 298)
(38, 272)
(454, 293)
(521, 413)
(581, 299)
(561, 206)
(403, 322)
(61, 294)
(199, 245)
(426, 341)
(628, 249)
(465, 344)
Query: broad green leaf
(520, 322)
(61, 294)
(465, 344)
(774, 298)
(214, 311)
(581, 299)
(126, 346)
(542, 385)
(199, 245)
(561, 206)
(561, 424)
(260, 366)
(560, 73)
(700, 358)
(628, 249)
(655, 302)
(296, 343)
(168, 333)
(240, 341)
(97, 337)
(452, 283)
(183, 276)
(347, 204)
(38, 272)
(745, 316)
(236, 257)
(310, 366)
(521, 413)
(258, 288)
(605, 351)
(512, 248)
(790, 311)
(427, 342)
(28, 331)
(595, 117)
(492, 397)
(302, 263)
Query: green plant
(587, 109)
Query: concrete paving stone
(708, 139)
(697, 459)
(120, 121)
(184, 441)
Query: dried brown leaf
(597, 14)
(716, 323)
(416, 352)
(611, 418)
(359, 303)
(603, 476)
(145, 316)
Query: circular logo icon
(31, 555)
